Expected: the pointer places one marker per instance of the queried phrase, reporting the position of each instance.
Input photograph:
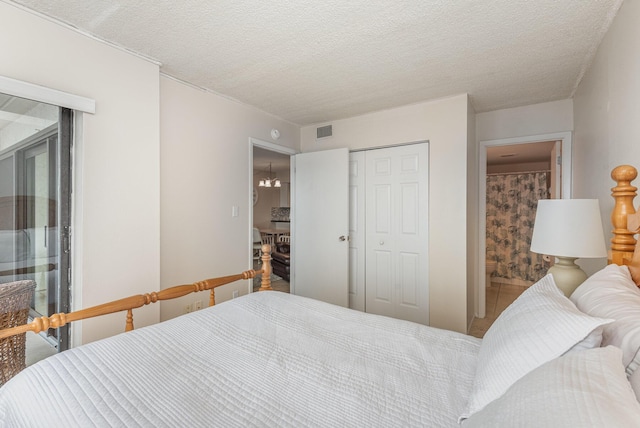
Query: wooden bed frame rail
(625, 249)
(130, 303)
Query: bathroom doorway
(551, 152)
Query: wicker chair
(15, 298)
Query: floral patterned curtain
(511, 210)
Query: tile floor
(277, 283)
(37, 348)
(499, 296)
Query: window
(35, 189)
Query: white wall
(607, 112)
(204, 172)
(535, 119)
(269, 197)
(444, 123)
(116, 196)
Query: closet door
(397, 232)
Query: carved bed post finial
(623, 242)
(266, 268)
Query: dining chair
(268, 238)
(284, 238)
(257, 244)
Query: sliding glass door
(35, 140)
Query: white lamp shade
(568, 228)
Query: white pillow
(538, 326)
(611, 293)
(580, 389)
(593, 340)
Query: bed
(274, 359)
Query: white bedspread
(266, 359)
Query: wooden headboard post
(633, 224)
(623, 243)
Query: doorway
(560, 186)
(270, 209)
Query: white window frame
(46, 95)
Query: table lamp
(568, 229)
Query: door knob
(381, 242)
(342, 238)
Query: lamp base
(567, 274)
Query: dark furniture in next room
(280, 260)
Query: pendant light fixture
(269, 182)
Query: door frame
(566, 141)
(255, 142)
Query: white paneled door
(397, 232)
(320, 227)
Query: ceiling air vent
(324, 132)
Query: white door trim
(21, 89)
(566, 139)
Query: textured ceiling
(316, 61)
